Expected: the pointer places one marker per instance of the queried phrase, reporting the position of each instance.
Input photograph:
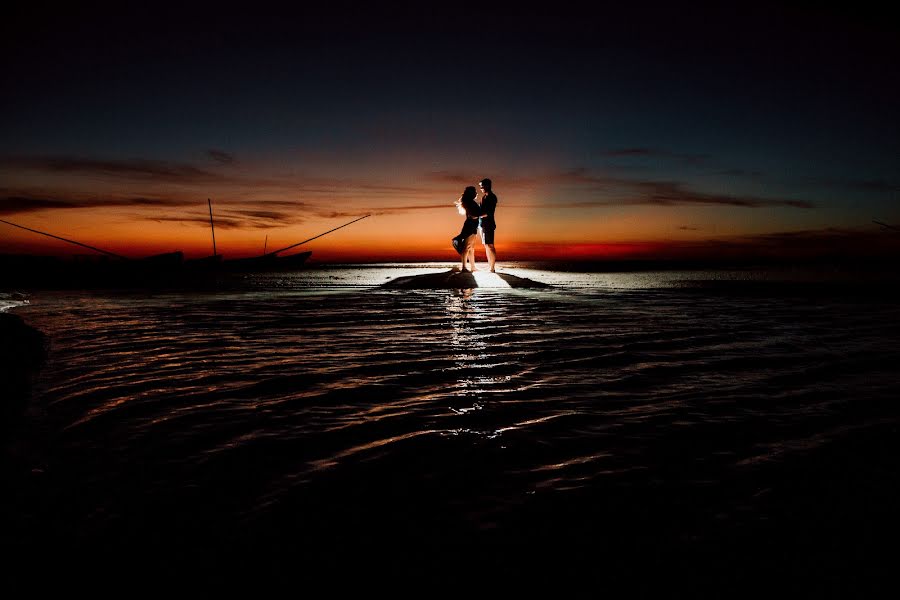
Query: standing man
(486, 223)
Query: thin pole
(211, 226)
(266, 243)
(65, 240)
(318, 236)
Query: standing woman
(465, 241)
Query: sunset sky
(608, 132)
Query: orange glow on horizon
(420, 231)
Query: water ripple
(515, 392)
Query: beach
(735, 428)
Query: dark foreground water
(671, 431)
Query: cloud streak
(145, 172)
(864, 185)
(621, 191)
(671, 193)
(220, 156)
(23, 204)
(154, 170)
(11, 205)
(221, 222)
(654, 153)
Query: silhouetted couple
(479, 218)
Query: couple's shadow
(456, 279)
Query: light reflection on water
(297, 392)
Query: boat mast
(211, 226)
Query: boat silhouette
(109, 269)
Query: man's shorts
(487, 236)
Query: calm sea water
(735, 425)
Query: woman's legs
(468, 250)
